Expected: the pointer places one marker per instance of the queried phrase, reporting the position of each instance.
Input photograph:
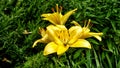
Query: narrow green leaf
(109, 61)
(96, 59)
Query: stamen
(58, 34)
(85, 23)
(57, 9)
(61, 35)
(87, 26)
(53, 10)
(60, 10)
(88, 23)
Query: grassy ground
(18, 15)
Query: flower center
(63, 36)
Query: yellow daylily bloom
(86, 31)
(57, 18)
(59, 39)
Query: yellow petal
(85, 35)
(61, 27)
(51, 32)
(75, 23)
(75, 29)
(66, 16)
(42, 40)
(81, 43)
(90, 34)
(93, 33)
(42, 32)
(85, 30)
(50, 48)
(35, 43)
(98, 37)
(52, 35)
(57, 16)
(62, 49)
(51, 17)
(75, 33)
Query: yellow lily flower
(86, 31)
(59, 39)
(57, 18)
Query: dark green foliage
(18, 15)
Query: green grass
(18, 15)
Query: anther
(60, 9)
(53, 10)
